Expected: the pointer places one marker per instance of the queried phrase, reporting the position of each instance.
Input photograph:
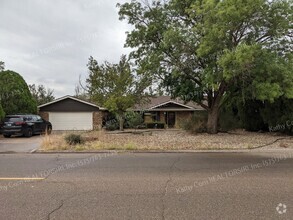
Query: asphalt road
(146, 186)
(19, 144)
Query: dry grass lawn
(165, 140)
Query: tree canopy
(15, 96)
(115, 86)
(41, 94)
(2, 113)
(2, 66)
(201, 49)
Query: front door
(170, 119)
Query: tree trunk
(213, 116)
(214, 111)
(121, 122)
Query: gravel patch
(182, 140)
(173, 140)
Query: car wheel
(28, 132)
(49, 130)
(7, 135)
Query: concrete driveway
(19, 144)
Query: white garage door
(62, 121)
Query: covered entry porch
(171, 119)
(167, 111)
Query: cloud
(49, 42)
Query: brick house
(166, 110)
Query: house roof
(167, 103)
(73, 98)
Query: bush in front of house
(73, 139)
(229, 118)
(110, 122)
(254, 115)
(112, 125)
(196, 124)
(156, 125)
(133, 120)
(278, 116)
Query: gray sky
(49, 41)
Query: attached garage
(71, 120)
(69, 113)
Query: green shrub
(112, 125)
(142, 126)
(2, 113)
(229, 118)
(255, 115)
(73, 139)
(250, 115)
(196, 124)
(156, 125)
(133, 119)
(278, 115)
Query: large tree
(15, 96)
(41, 94)
(115, 86)
(200, 49)
(2, 66)
(2, 113)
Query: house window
(156, 116)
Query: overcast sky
(49, 41)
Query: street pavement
(147, 186)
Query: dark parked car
(24, 124)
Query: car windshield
(13, 119)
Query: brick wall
(162, 117)
(148, 119)
(181, 117)
(44, 115)
(98, 120)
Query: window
(156, 116)
(13, 119)
(39, 118)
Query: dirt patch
(168, 140)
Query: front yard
(166, 140)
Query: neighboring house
(70, 113)
(172, 112)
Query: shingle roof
(159, 101)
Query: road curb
(33, 151)
(167, 152)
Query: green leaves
(267, 91)
(239, 62)
(210, 47)
(41, 94)
(264, 74)
(2, 113)
(14, 94)
(2, 66)
(115, 86)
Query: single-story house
(70, 113)
(164, 109)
